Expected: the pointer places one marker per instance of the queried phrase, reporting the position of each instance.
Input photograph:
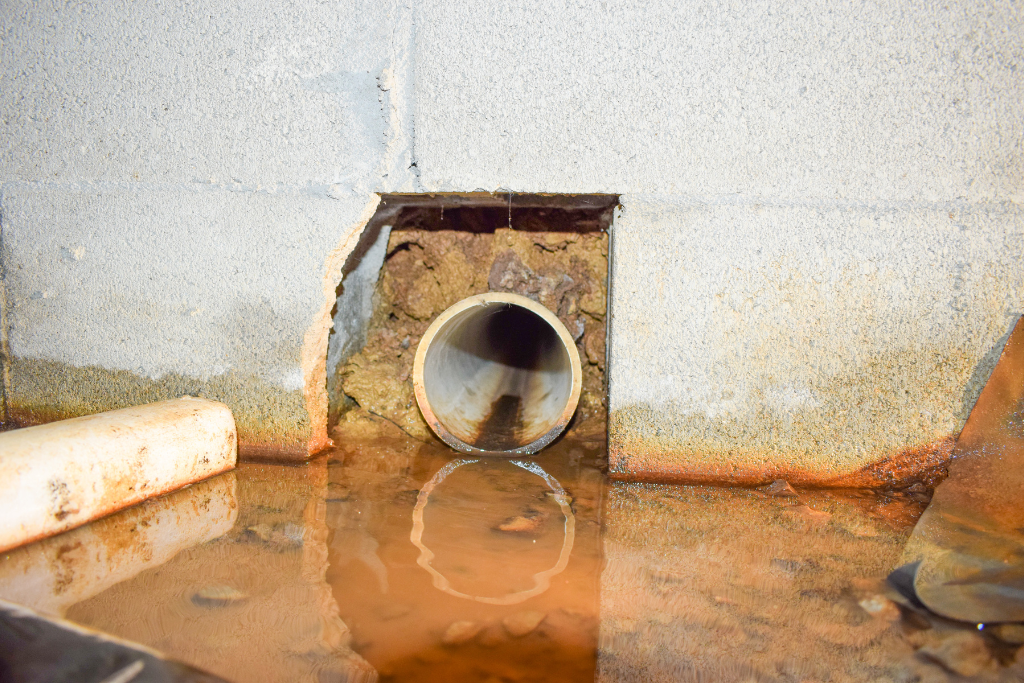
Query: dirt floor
(436, 258)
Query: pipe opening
(419, 256)
(499, 373)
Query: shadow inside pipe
(521, 348)
(517, 338)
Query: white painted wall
(808, 188)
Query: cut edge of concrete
(315, 341)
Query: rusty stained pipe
(497, 374)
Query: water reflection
(468, 569)
(251, 604)
(464, 523)
(402, 561)
(51, 575)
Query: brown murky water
(399, 561)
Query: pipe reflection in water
(51, 575)
(475, 533)
(250, 605)
(511, 551)
(318, 580)
(969, 543)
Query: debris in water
(284, 536)
(881, 607)
(522, 623)
(461, 632)
(962, 652)
(492, 636)
(813, 519)
(217, 596)
(528, 523)
(395, 610)
(861, 528)
(779, 487)
(1009, 633)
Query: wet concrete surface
(395, 560)
(706, 584)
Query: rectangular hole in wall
(421, 254)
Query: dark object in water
(217, 596)
(780, 488)
(969, 543)
(901, 580)
(34, 648)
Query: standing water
(396, 560)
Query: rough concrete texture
(801, 342)
(210, 93)
(908, 111)
(176, 182)
(436, 259)
(907, 101)
(172, 286)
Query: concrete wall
(816, 257)
(179, 182)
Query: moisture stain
(500, 428)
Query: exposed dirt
(556, 257)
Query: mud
(435, 258)
(706, 584)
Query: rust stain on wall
(887, 420)
(924, 464)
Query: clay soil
(436, 258)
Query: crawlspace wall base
(807, 342)
(271, 422)
(120, 295)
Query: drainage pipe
(57, 476)
(497, 373)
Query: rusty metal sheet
(970, 540)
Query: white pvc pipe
(57, 476)
(497, 373)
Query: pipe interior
(497, 376)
